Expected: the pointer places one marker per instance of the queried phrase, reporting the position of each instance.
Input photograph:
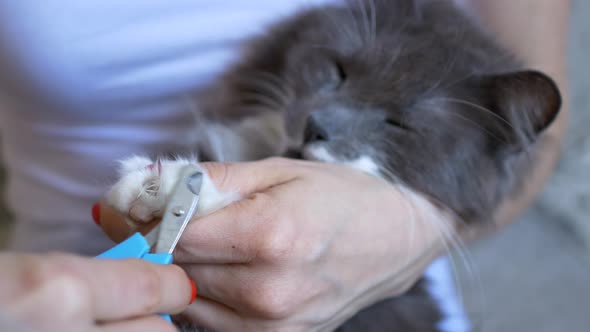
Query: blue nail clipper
(181, 206)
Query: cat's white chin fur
(144, 186)
(317, 152)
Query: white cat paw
(144, 187)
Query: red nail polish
(96, 213)
(193, 291)
(158, 164)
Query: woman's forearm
(536, 31)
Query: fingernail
(96, 213)
(193, 291)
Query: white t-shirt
(85, 83)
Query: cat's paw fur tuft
(144, 187)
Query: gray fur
(413, 84)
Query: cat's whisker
(270, 77)
(446, 233)
(259, 98)
(197, 117)
(368, 18)
(476, 106)
(452, 243)
(457, 247)
(272, 82)
(458, 256)
(364, 20)
(411, 209)
(266, 89)
(478, 126)
(336, 29)
(443, 77)
(215, 144)
(263, 87)
(394, 56)
(457, 250)
(358, 29)
(372, 20)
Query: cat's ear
(526, 101)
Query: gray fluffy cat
(408, 90)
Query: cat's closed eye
(335, 75)
(391, 121)
(320, 71)
(341, 71)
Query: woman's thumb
(246, 178)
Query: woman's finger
(144, 324)
(213, 316)
(135, 287)
(121, 289)
(249, 177)
(55, 302)
(239, 233)
(222, 283)
(243, 178)
(114, 224)
(69, 289)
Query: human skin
(59, 292)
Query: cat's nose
(314, 132)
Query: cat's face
(411, 98)
(451, 141)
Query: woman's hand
(58, 292)
(309, 246)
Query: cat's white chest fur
(144, 187)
